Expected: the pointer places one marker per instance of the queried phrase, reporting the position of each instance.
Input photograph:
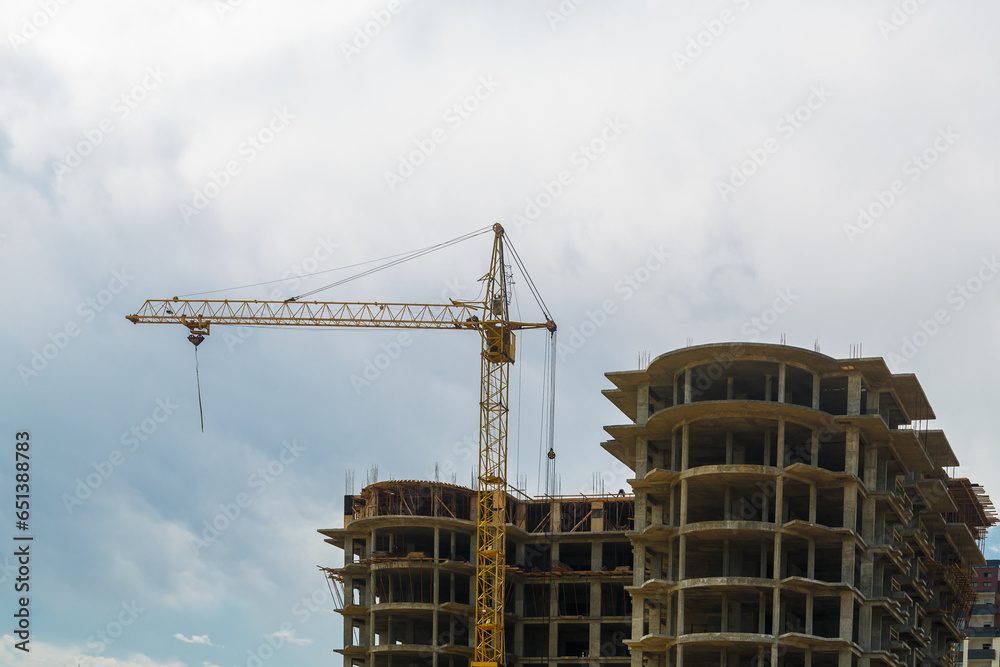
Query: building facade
(791, 509)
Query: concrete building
(789, 509)
(409, 577)
(982, 647)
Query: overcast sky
(669, 172)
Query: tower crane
(490, 318)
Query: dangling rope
(196, 341)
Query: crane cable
(405, 256)
(531, 284)
(196, 340)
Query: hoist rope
(197, 377)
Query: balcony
(982, 654)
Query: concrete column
(767, 387)
(853, 449)
(729, 447)
(684, 503)
(781, 382)
(437, 597)
(777, 557)
(811, 558)
(851, 507)
(638, 565)
(657, 518)
(553, 636)
(672, 519)
(641, 456)
(767, 446)
(680, 621)
(775, 621)
(642, 406)
(682, 558)
(812, 502)
(687, 385)
(868, 520)
(779, 498)
(871, 467)
(847, 561)
(556, 517)
(685, 445)
(810, 606)
(595, 600)
(780, 458)
(847, 617)
(730, 393)
(761, 611)
(656, 565)
(854, 393)
(595, 640)
(640, 510)
(816, 387)
(814, 449)
(872, 404)
(596, 555)
(725, 612)
(725, 560)
(865, 627)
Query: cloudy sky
(669, 172)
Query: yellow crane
(490, 318)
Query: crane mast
(491, 319)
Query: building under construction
(790, 509)
(409, 577)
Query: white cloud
(289, 636)
(48, 655)
(195, 639)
